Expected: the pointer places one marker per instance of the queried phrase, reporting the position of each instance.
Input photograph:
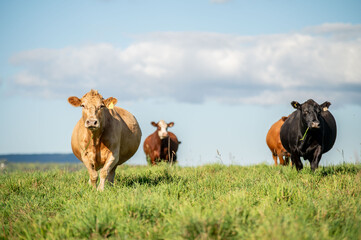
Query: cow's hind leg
(173, 158)
(275, 159)
(280, 157)
(111, 175)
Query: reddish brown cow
(274, 143)
(162, 144)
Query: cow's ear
(296, 105)
(74, 101)
(154, 124)
(110, 102)
(325, 106)
(171, 124)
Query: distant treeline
(40, 158)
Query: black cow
(308, 132)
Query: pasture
(172, 202)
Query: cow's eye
(82, 105)
(102, 106)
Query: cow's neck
(303, 130)
(94, 136)
(302, 125)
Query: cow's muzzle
(315, 124)
(92, 124)
(164, 135)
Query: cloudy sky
(223, 71)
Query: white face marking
(162, 133)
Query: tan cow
(105, 136)
(274, 143)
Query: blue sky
(223, 71)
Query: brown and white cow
(274, 143)
(162, 144)
(105, 136)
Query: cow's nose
(315, 125)
(91, 123)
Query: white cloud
(339, 31)
(321, 62)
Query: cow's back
(289, 131)
(169, 148)
(151, 143)
(273, 136)
(155, 148)
(129, 131)
(330, 130)
(290, 128)
(122, 131)
(75, 140)
(174, 142)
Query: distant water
(53, 158)
(40, 158)
(139, 159)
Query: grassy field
(163, 202)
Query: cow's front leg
(104, 172)
(296, 161)
(316, 158)
(174, 158)
(156, 157)
(89, 159)
(93, 177)
(275, 159)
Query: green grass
(162, 202)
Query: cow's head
(311, 112)
(162, 128)
(93, 105)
